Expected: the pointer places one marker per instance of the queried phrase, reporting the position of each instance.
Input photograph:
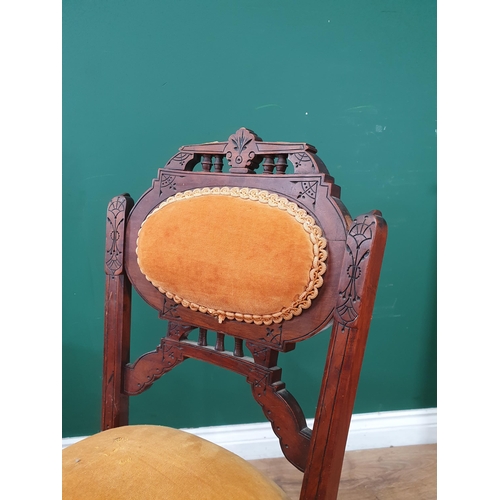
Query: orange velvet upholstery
(241, 254)
(147, 462)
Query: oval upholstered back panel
(234, 253)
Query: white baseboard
(367, 430)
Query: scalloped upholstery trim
(316, 271)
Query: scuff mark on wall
(267, 106)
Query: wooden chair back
(294, 186)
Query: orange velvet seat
(148, 462)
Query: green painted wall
(356, 78)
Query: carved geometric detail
(244, 151)
(178, 331)
(167, 181)
(260, 353)
(302, 162)
(151, 366)
(309, 190)
(273, 335)
(289, 426)
(169, 310)
(115, 240)
(182, 161)
(358, 239)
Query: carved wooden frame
(344, 301)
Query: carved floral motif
(241, 148)
(114, 246)
(357, 242)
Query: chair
(266, 259)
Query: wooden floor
(400, 473)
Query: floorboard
(398, 473)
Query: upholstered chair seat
(149, 462)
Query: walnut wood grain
(116, 317)
(361, 268)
